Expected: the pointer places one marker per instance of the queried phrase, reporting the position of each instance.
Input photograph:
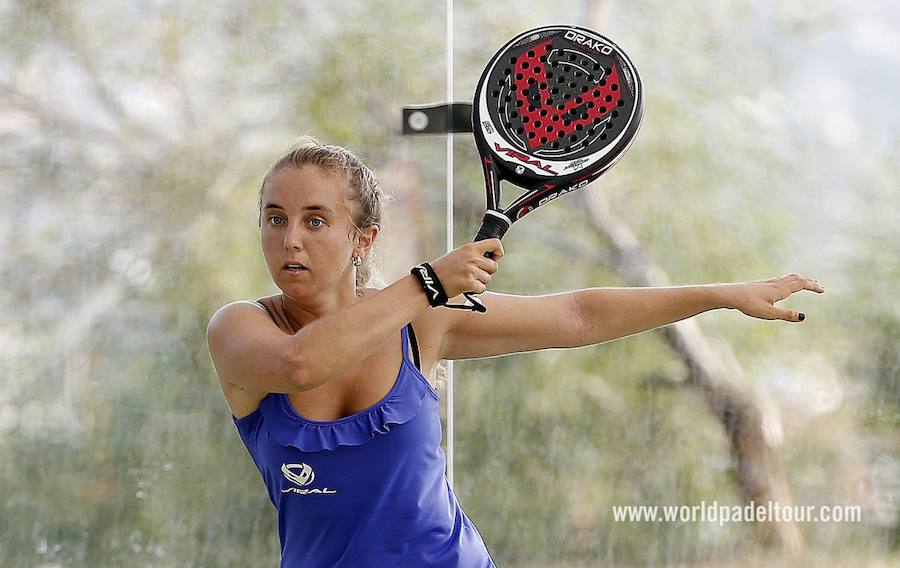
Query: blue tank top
(367, 490)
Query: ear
(366, 238)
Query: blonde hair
(366, 196)
(365, 193)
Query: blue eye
(321, 222)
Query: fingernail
(802, 316)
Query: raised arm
(249, 351)
(328, 347)
(331, 345)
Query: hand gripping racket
(554, 109)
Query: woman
(349, 448)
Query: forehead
(296, 188)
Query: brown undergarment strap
(275, 314)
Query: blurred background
(133, 138)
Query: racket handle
(493, 226)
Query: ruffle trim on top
(399, 406)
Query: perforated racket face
(556, 102)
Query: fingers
(798, 283)
(480, 283)
(481, 274)
(492, 246)
(789, 315)
(483, 277)
(489, 252)
(488, 265)
(762, 296)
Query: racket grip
(493, 226)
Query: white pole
(450, 230)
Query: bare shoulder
(240, 306)
(237, 315)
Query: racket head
(554, 108)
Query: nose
(292, 236)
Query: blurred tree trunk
(750, 421)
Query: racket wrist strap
(434, 290)
(432, 286)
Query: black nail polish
(802, 316)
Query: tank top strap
(409, 336)
(278, 314)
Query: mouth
(292, 267)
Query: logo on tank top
(302, 474)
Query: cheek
(270, 240)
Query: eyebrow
(307, 208)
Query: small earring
(357, 260)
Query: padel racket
(554, 109)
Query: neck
(303, 311)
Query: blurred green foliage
(134, 136)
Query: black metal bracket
(437, 118)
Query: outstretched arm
(515, 324)
(512, 324)
(611, 313)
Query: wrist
(430, 284)
(724, 295)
